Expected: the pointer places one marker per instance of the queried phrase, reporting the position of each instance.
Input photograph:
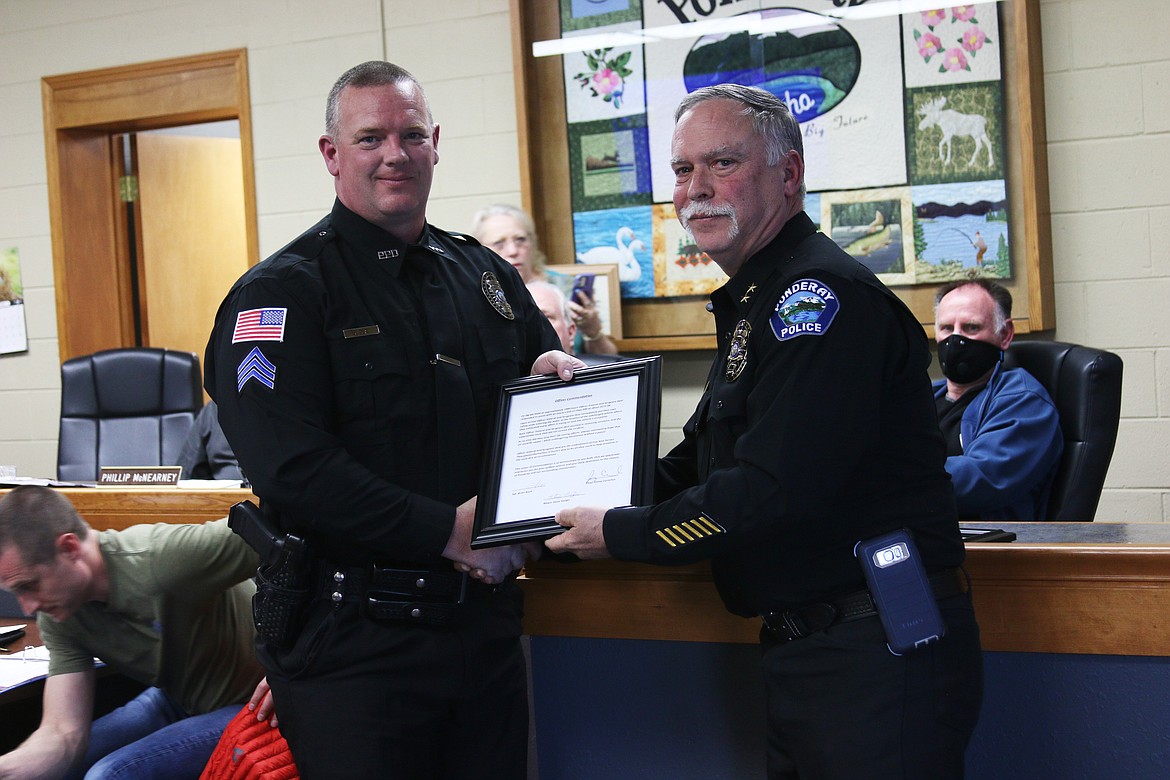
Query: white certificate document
(592, 441)
(568, 446)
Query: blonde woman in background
(510, 232)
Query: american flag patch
(259, 325)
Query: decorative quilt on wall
(902, 119)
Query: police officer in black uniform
(816, 431)
(355, 372)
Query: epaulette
(463, 237)
(311, 242)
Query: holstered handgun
(282, 580)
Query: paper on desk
(23, 666)
(40, 482)
(30, 653)
(208, 484)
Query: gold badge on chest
(737, 352)
(495, 295)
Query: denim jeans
(151, 737)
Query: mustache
(707, 209)
(702, 208)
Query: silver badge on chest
(737, 352)
(495, 295)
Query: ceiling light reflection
(754, 22)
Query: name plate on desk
(139, 476)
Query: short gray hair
(770, 116)
(374, 73)
(503, 210)
(536, 256)
(999, 294)
(541, 284)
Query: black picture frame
(490, 529)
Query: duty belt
(811, 618)
(425, 596)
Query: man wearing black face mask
(1001, 427)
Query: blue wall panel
(609, 709)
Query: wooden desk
(32, 634)
(118, 508)
(1097, 588)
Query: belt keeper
(427, 613)
(419, 584)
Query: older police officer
(816, 431)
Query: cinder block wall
(1106, 78)
(459, 49)
(1107, 90)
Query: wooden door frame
(82, 111)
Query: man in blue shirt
(1000, 425)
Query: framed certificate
(555, 444)
(607, 296)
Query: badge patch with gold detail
(495, 295)
(738, 351)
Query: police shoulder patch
(806, 308)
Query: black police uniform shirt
(320, 364)
(817, 429)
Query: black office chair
(126, 407)
(1085, 385)
(9, 606)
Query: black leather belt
(811, 618)
(425, 596)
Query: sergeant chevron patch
(696, 529)
(256, 366)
